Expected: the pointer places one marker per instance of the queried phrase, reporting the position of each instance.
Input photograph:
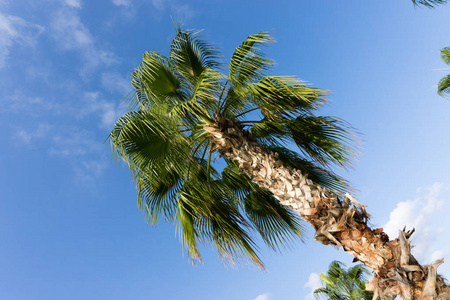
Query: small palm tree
(341, 284)
(444, 83)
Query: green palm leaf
(444, 83)
(445, 55)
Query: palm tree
(211, 153)
(444, 83)
(341, 284)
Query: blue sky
(69, 223)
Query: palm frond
(192, 56)
(324, 139)
(445, 55)
(158, 76)
(278, 96)
(444, 86)
(429, 3)
(214, 218)
(247, 62)
(321, 176)
(247, 65)
(277, 225)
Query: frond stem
(253, 121)
(208, 167)
(195, 151)
(245, 112)
(220, 97)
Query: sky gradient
(69, 224)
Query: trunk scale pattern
(338, 221)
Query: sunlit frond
(444, 86)
(191, 56)
(285, 96)
(277, 224)
(445, 55)
(326, 140)
(247, 62)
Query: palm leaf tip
(429, 3)
(444, 83)
(445, 55)
(444, 87)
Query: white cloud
(425, 213)
(15, 30)
(71, 34)
(158, 4)
(265, 296)
(27, 136)
(73, 3)
(19, 103)
(183, 12)
(107, 111)
(73, 141)
(122, 2)
(313, 284)
(87, 171)
(77, 145)
(114, 81)
(69, 31)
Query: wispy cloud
(122, 2)
(20, 103)
(265, 296)
(425, 213)
(159, 4)
(108, 112)
(31, 135)
(74, 141)
(116, 82)
(71, 34)
(73, 3)
(313, 283)
(183, 12)
(83, 150)
(15, 30)
(87, 171)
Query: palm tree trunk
(341, 223)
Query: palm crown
(175, 165)
(341, 284)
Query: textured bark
(338, 221)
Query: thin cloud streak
(121, 2)
(72, 35)
(15, 30)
